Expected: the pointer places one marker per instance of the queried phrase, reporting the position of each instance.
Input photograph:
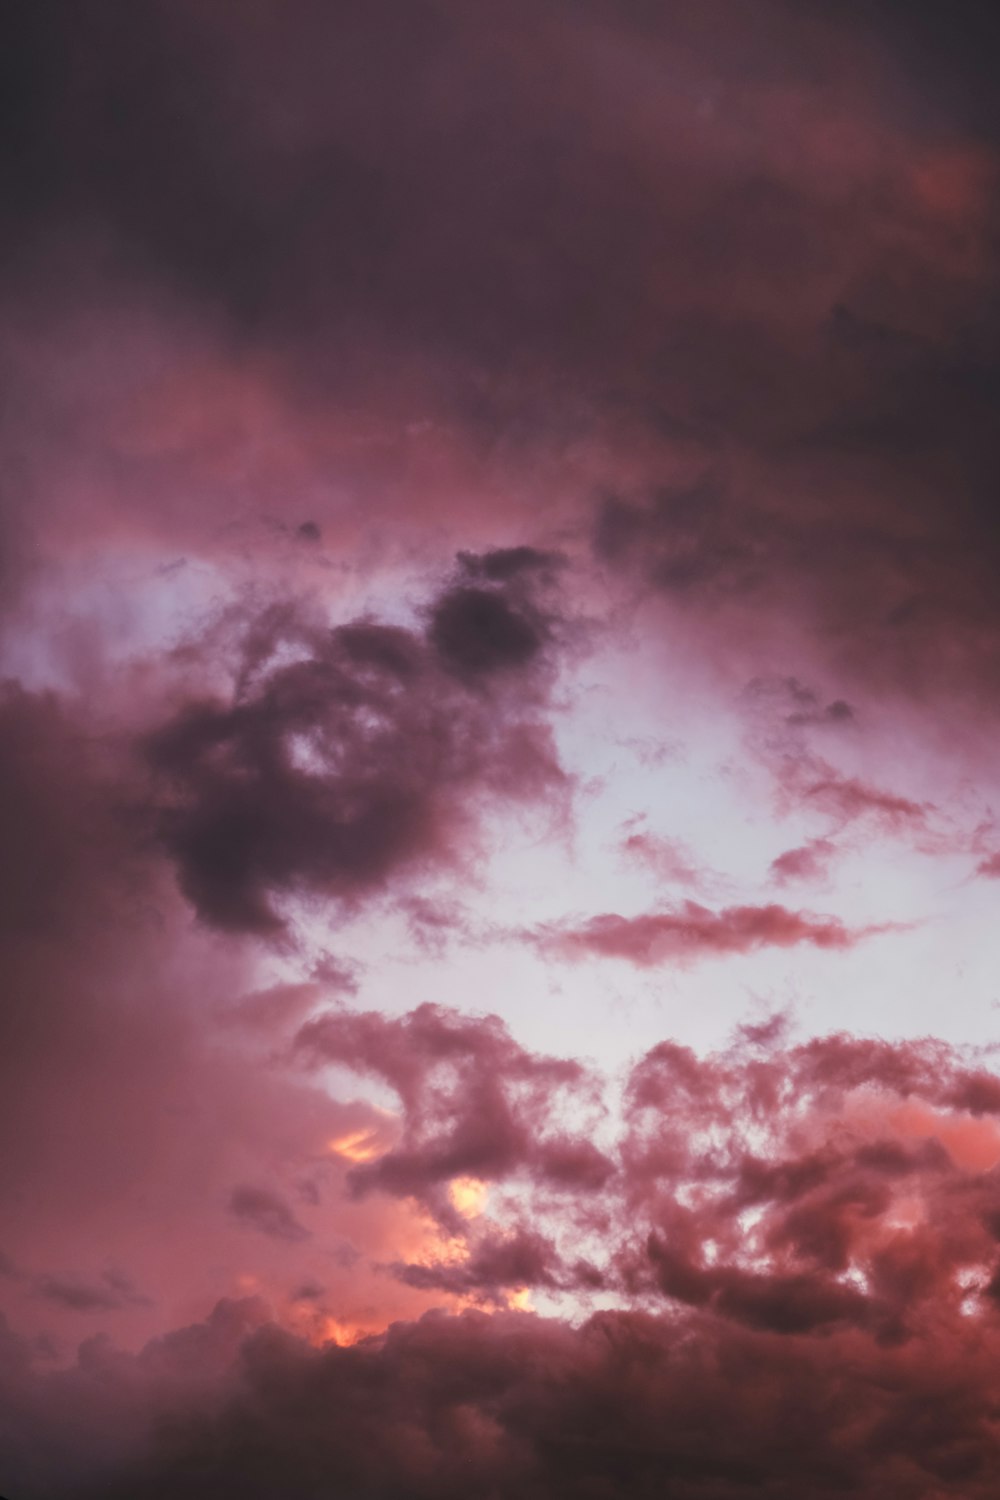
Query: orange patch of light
(358, 1145)
(520, 1299)
(335, 1332)
(468, 1196)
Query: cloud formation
(772, 1264)
(346, 754)
(492, 497)
(692, 931)
(475, 1104)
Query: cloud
(806, 1227)
(676, 327)
(345, 756)
(474, 1103)
(808, 862)
(149, 1124)
(281, 1005)
(502, 564)
(799, 707)
(669, 859)
(607, 313)
(476, 632)
(110, 1291)
(497, 1265)
(268, 1213)
(545, 1408)
(691, 931)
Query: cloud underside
(801, 1244)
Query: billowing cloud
(848, 1271)
(475, 1104)
(847, 798)
(492, 497)
(345, 755)
(542, 1408)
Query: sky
(499, 684)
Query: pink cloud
(848, 797)
(807, 863)
(851, 1268)
(691, 931)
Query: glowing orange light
(335, 1332)
(468, 1195)
(358, 1145)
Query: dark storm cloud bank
(345, 757)
(712, 220)
(628, 1405)
(805, 1241)
(746, 258)
(460, 173)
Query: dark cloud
(477, 632)
(506, 563)
(854, 499)
(475, 1103)
(578, 225)
(110, 1291)
(345, 756)
(130, 1104)
(496, 1265)
(802, 706)
(310, 1292)
(267, 1212)
(944, 56)
(622, 1406)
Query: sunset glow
(499, 696)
